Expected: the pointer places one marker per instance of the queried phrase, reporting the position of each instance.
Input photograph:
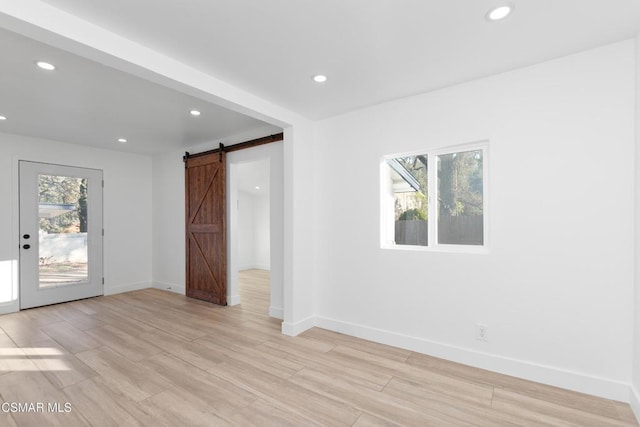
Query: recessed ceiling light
(122, 140)
(45, 65)
(194, 112)
(257, 188)
(319, 78)
(499, 13)
(3, 118)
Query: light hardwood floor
(159, 359)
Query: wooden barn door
(206, 245)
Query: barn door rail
(235, 147)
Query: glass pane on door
(63, 230)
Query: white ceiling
(85, 102)
(371, 50)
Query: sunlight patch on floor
(23, 359)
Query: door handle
(26, 246)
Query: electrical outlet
(481, 332)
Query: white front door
(60, 233)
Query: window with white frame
(435, 198)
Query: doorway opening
(60, 233)
(255, 198)
(254, 251)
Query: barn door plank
(206, 246)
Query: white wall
(127, 210)
(261, 234)
(300, 204)
(635, 392)
(556, 288)
(246, 258)
(168, 222)
(253, 231)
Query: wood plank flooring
(154, 358)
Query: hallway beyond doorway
(254, 290)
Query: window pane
(63, 230)
(460, 198)
(408, 184)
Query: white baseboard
(10, 307)
(14, 306)
(293, 329)
(231, 300)
(170, 287)
(634, 402)
(276, 312)
(575, 381)
(254, 267)
(111, 290)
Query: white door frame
(274, 152)
(31, 294)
